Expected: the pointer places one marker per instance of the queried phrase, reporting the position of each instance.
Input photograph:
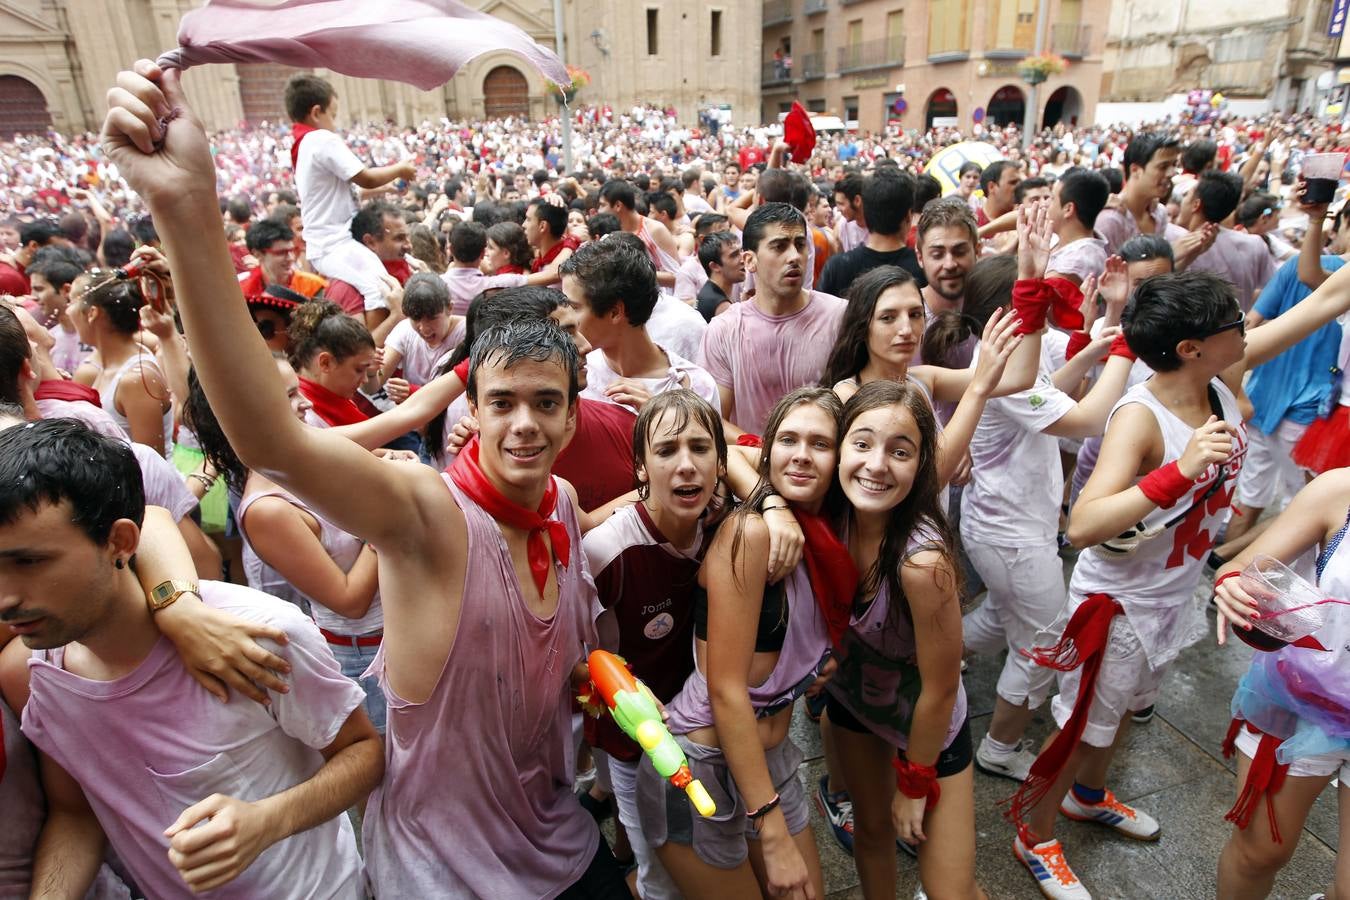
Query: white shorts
(357, 265)
(1269, 473)
(1319, 766)
(1026, 593)
(1125, 682)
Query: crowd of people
(374, 433)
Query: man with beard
(948, 244)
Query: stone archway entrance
(1007, 106)
(23, 108)
(1065, 105)
(506, 93)
(941, 106)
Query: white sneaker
(1047, 865)
(920, 893)
(1015, 765)
(1125, 819)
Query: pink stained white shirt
(761, 357)
(1116, 226)
(680, 373)
(419, 359)
(1081, 258)
(466, 284)
(165, 744)
(1243, 259)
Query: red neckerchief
(1082, 644)
(830, 568)
(468, 477)
(253, 283)
(399, 268)
(298, 132)
(568, 242)
(329, 406)
(70, 391)
(511, 270)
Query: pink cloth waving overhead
(421, 42)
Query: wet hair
(511, 238)
(1198, 156)
(988, 287)
(56, 461)
(1087, 191)
(321, 325)
(1167, 309)
(612, 272)
(303, 93)
(850, 355)
(926, 190)
(1219, 194)
(820, 397)
(216, 447)
(887, 200)
(601, 224)
(710, 249)
(768, 214)
(949, 212)
(555, 217)
(519, 340)
(425, 296)
(468, 240)
(118, 245)
(1144, 146)
(1027, 185)
(264, 234)
(619, 191)
(687, 408)
(58, 265)
(120, 301)
(14, 352)
(1143, 247)
(921, 508)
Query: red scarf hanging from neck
(468, 477)
(329, 406)
(298, 132)
(72, 391)
(834, 577)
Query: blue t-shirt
(1293, 385)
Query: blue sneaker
(836, 809)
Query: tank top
(341, 547)
(804, 649)
(477, 793)
(108, 398)
(663, 261)
(878, 677)
(1155, 583)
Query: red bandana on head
(298, 132)
(798, 133)
(468, 476)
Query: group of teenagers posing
(814, 559)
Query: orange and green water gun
(634, 709)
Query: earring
(119, 564)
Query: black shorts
(953, 760)
(602, 880)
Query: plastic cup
(1287, 605)
(1322, 171)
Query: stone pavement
(1173, 769)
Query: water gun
(634, 709)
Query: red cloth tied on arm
(298, 132)
(798, 133)
(70, 391)
(1035, 298)
(1082, 644)
(1078, 340)
(1121, 347)
(330, 407)
(749, 440)
(1166, 485)
(916, 781)
(462, 370)
(468, 476)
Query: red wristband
(1031, 299)
(462, 370)
(1121, 347)
(917, 782)
(1166, 485)
(1077, 341)
(1227, 575)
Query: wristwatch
(166, 592)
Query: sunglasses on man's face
(267, 328)
(1239, 323)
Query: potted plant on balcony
(579, 79)
(1036, 69)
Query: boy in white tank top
(1146, 541)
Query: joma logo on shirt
(656, 607)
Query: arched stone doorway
(23, 108)
(1007, 106)
(941, 105)
(1064, 106)
(506, 93)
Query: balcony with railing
(813, 66)
(776, 12)
(881, 53)
(849, 2)
(776, 73)
(1071, 39)
(811, 7)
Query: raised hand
(998, 342)
(1113, 288)
(1035, 233)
